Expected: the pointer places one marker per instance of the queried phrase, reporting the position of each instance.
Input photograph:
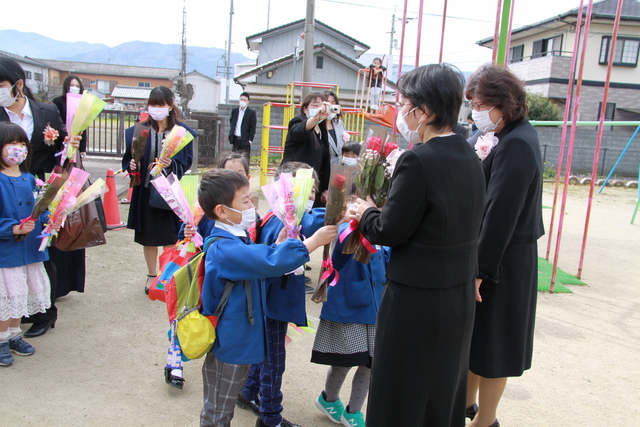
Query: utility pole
(226, 98)
(307, 59)
(268, 13)
(391, 44)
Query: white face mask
(242, 104)
(312, 112)
(309, 206)
(483, 120)
(6, 99)
(348, 161)
(158, 113)
(74, 89)
(412, 136)
(248, 218)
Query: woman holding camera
(308, 141)
(335, 128)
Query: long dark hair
(11, 72)
(327, 94)
(10, 133)
(67, 84)
(159, 96)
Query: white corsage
(485, 144)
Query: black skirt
(70, 270)
(156, 224)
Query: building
(206, 92)
(541, 54)
(37, 74)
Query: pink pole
(574, 119)
(404, 25)
(419, 33)
(444, 20)
(567, 109)
(603, 110)
(506, 48)
(496, 33)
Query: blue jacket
(238, 341)
(357, 295)
(288, 304)
(16, 203)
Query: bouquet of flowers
(138, 145)
(287, 198)
(82, 115)
(44, 197)
(170, 190)
(177, 139)
(340, 184)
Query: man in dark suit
(243, 127)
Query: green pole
(502, 55)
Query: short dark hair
(293, 167)
(218, 187)
(159, 96)
(308, 100)
(437, 88)
(9, 133)
(470, 117)
(499, 87)
(11, 71)
(351, 147)
(67, 84)
(245, 94)
(225, 157)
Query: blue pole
(604, 184)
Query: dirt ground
(103, 363)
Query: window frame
(319, 62)
(605, 52)
(512, 57)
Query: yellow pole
(264, 153)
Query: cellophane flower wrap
(170, 190)
(177, 139)
(89, 107)
(287, 198)
(63, 204)
(340, 184)
(485, 144)
(43, 198)
(138, 145)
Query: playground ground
(103, 363)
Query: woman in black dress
(155, 227)
(502, 343)
(307, 141)
(431, 221)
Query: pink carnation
(374, 143)
(485, 144)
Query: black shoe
(283, 423)
(471, 411)
(496, 423)
(309, 289)
(173, 380)
(149, 282)
(40, 328)
(307, 267)
(247, 404)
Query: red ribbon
(368, 245)
(353, 226)
(328, 264)
(23, 221)
(132, 174)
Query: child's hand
(326, 235)
(189, 231)
(57, 225)
(26, 228)
(282, 236)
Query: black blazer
(61, 103)
(433, 214)
(247, 127)
(43, 157)
(513, 172)
(301, 145)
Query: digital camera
(332, 109)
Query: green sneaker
(333, 410)
(352, 420)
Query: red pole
(567, 110)
(495, 34)
(603, 110)
(404, 24)
(574, 119)
(444, 20)
(419, 33)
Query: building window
(104, 86)
(27, 73)
(144, 84)
(319, 62)
(547, 47)
(516, 53)
(269, 74)
(609, 114)
(37, 77)
(626, 53)
(92, 82)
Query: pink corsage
(485, 144)
(50, 135)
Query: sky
(369, 21)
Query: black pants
(243, 150)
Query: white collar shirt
(26, 122)
(238, 131)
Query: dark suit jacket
(43, 157)
(247, 127)
(513, 214)
(61, 103)
(433, 214)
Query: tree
(542, 108)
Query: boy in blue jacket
(225, 197)
(286, 300)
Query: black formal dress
(431, 221)
(502, 344)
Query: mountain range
(203, 59)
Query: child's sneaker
(352, 420)
(6, 359)
(20, 346)
(333, 410)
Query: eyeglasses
(400, 105)
(475, 105)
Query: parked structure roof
(111, 69)
(131, 92)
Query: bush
(542, 108)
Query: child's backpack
(256, 228)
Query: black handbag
(155, 199)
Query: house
(280, 52)
(206, 92)
(541, 54)
(37, 73)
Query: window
(547, 47)
(144, 84)
(516, 53)
(27, 73)
(92, 82)
(37, 77)
(103, 86)
(319, 62)
(609, 114)
(626, 53)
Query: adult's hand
(360, 206)
(74, 141)
(165, 161)
(132, 165)
(478, 283)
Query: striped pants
(222, 383)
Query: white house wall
(206, 93)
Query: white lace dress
(24, 291)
